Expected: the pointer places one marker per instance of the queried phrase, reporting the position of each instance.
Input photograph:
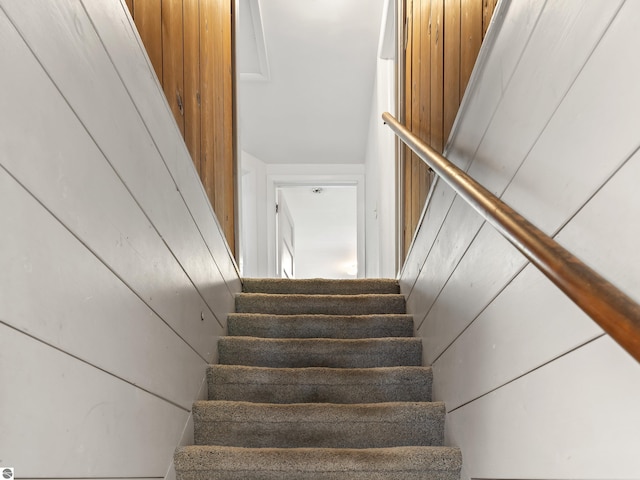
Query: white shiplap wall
(550, 122)
(115, 279)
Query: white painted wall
(533, 388)
(381, 179)
(325, 227)
(380, 159)
(253, 221)
(115, 279)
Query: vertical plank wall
(189, 43)
(173, 40)
(533, 387)
(443, 41)
(115, 279)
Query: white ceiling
(314, 105)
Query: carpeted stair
(320, 380)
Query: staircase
(319, 379)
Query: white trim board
(256, 32)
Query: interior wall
(380, 167)
(533, 387)
(443, 38)
(190, 45)
(253, 222)
(115, 279)
(380, 163)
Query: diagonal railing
(612, 309)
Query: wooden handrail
(613, 310)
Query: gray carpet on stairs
(321, 287)
(319, 326)
(398, 463)
(320, 352)
(321, 425)
(319, 384)
(319, 380)
(288, 304)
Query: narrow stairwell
(319, 379)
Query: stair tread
(364, 425)
(302, 316)
(297, 460)
(317, 286)
(320, 325)
(328, 341)
(360, 304)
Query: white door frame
(275, 181)
(284, 225)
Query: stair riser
(311, 427)
(319, 326)
(360, 435)
(319, 385)
(320, 353)
(318, 393)
(319, 304)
